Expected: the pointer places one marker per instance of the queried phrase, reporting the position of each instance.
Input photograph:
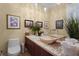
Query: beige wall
(25, 11)
(57, 13)
(28, 11)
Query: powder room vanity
(36, 47)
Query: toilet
(13, 47)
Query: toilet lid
(14, 50)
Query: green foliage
(72, 27)
(35, 29)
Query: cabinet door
(30, 46)
(37, 50)
(25, 42)
(40, 51)
(45, 53)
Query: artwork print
(13, 22)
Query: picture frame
(13, 22)
(59, 24)
(28, 23)
(39, 23)
(46, 25)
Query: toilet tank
(13, 42)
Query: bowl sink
(48, 39)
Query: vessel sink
(48, 39)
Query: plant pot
(39, 34)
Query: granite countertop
(54, 48)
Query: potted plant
(39, 32)
(72, 27)
(36, 29)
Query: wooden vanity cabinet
(34, 49)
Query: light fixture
(58, 3)
(45, 9)
(36, 4)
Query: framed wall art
(28, 23)
(59, 24)
(39, 23)
(46, 25)
(13, 22)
